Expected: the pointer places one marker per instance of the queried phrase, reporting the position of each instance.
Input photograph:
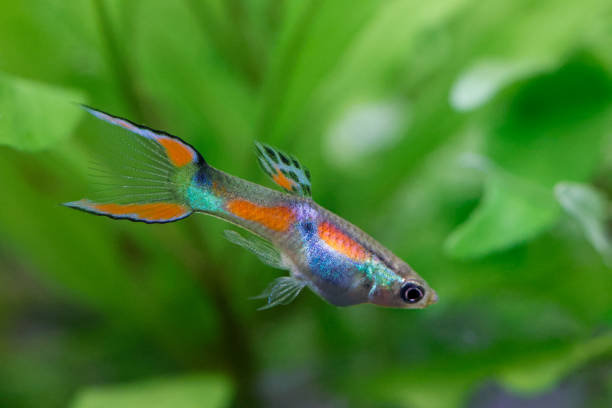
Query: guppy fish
(165, 179)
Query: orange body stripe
(177, 152)
(280, 179)
(341, 242)
(278, 218)
(151, 212)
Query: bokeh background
(472, 138)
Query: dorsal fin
(285, 170)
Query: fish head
(407, 290)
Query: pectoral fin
(281, 291)
(264, 250)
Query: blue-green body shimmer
(203, 198)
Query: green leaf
(196, 391)
(590, 208)
(35, 116)
(512, 211)
(544, 129)
(485, 78)
(57, 42)
(550, 128)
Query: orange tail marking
(278, 218)
(151, 212)
(178, 153)
(341, 242)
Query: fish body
(321, 250)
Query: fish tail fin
(145, 176)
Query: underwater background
(474, 139)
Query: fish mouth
(433, 298)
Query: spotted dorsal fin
(285, 170)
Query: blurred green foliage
(472, 138)
(189, 392)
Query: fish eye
(411, 292)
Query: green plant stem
(245, 40)
(235, 45)
(117, 61)
(276, 89)
(235, 340)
